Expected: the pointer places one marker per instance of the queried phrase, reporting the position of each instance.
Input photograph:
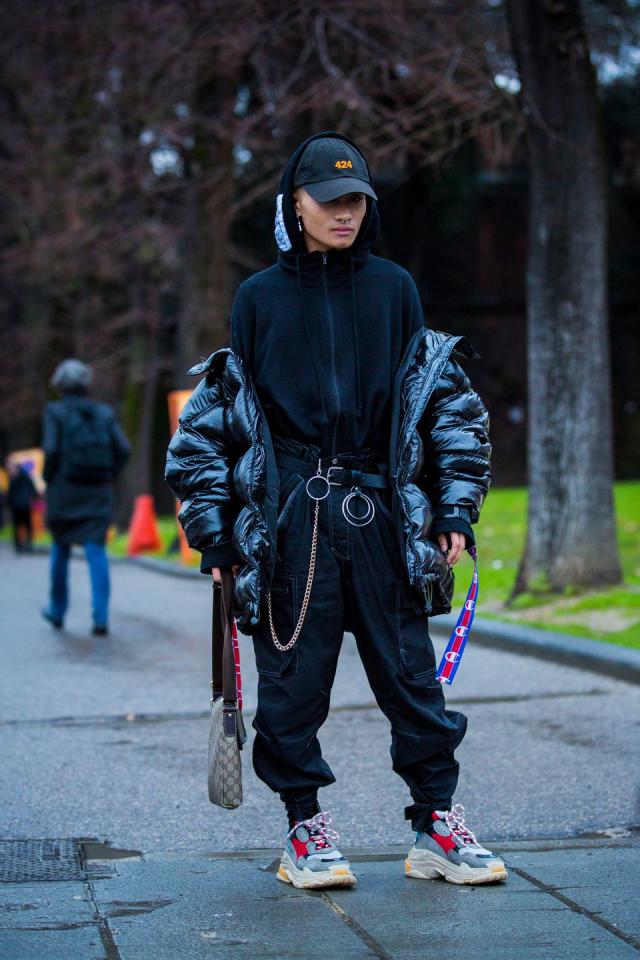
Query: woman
(84, 449)
(309, 461)
(21, 497)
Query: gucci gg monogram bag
(226, 733)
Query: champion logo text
(460, 633)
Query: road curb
(622, 663)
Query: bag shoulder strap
(223, 669)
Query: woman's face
(333, 225)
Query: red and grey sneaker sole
(426, 865)
(307, 879)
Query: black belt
(335, 474)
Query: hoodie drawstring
(354, 316)
(308, 332)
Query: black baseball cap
(330, 167)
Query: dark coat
(78, 512)
(221, 466)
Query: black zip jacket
(321, 339)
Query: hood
(289, 238)
(342, 265)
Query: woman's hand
(215, 572)
(458, 543)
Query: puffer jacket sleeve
(199, 470)
(455, 433)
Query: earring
(300, 224)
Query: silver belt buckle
(333, 483)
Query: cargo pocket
(270, 661)
(290, 484)
(416, 649)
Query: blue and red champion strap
(458, 639)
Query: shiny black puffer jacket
(221, 466)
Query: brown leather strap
(223, 668)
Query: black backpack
(87, 449)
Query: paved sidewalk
(576, 899)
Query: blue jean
(98, 572)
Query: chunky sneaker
(310, 858)
(449, 849)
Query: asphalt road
(107, 737)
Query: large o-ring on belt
(323, 486)
(353, 518)
(319, 479)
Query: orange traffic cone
(143, 529)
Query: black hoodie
(322, 334)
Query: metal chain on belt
(307, 591)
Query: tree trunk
(139, 406)
(571, 537)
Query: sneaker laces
(319, 829)
(454, 819)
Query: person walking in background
(85, 448)
(20, 497)
(335, 457)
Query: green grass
(611, 614)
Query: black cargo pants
(360, 585)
